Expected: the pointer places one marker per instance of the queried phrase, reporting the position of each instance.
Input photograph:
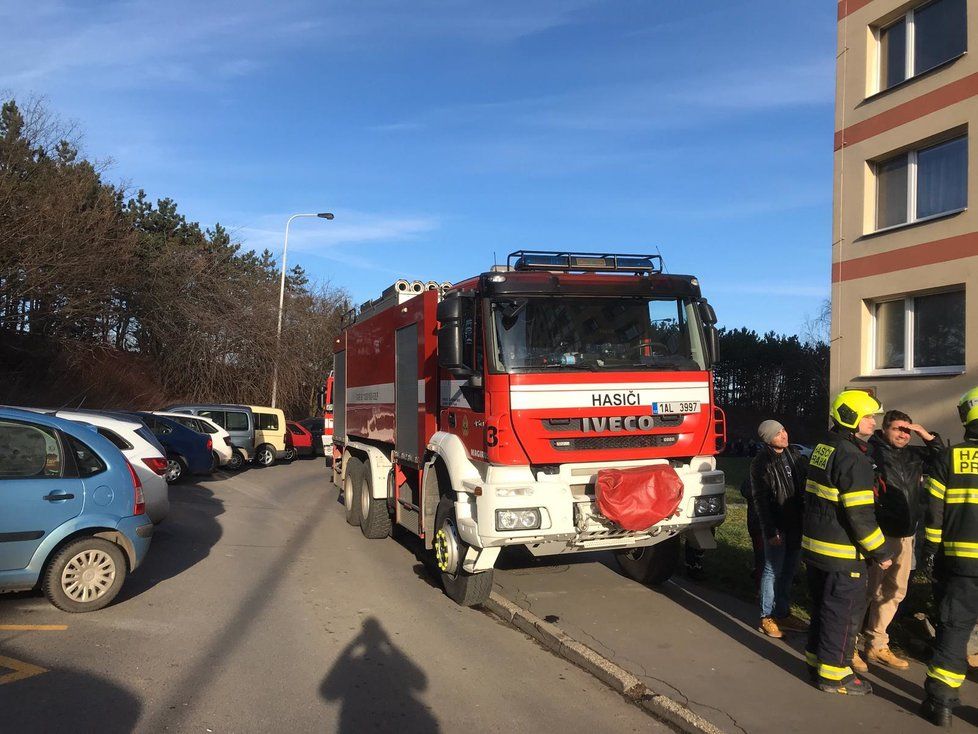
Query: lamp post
(281, 298)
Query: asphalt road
(259, 609)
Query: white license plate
(675, 408)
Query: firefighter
(951, 559)
(840, 538)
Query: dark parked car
(187, 452)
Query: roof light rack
(590, 262)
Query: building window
(923, 183)
(919, 334)
(924, 38)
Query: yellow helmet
(968, 406)
(851, 406)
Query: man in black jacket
(777, 488)
(898, 510)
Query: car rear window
(205, 427)
(118, 441)
(296, 430)
(148, 437)
(88, 462)
(266, 421)
(237, 421)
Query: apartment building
(905, 205)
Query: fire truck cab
(480, 415)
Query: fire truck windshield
(595, 333)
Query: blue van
(72, 514)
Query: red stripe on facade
(928, 253)
(847, 7)
(946, 96)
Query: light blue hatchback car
(72, 516)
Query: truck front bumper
(570, 521)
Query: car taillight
(138, 500)
(210, 444)
(157, 464)
(289, 441)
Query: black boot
(936, 713)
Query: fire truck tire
(352, 483)
(375, 520)
(653, 564)
(465, 589)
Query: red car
(301, 443)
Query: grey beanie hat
(768, 430)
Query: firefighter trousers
(957, 604)
(838, 606)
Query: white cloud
(339, 240)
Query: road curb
(613, 675)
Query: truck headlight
(711, 504)
(528, 519)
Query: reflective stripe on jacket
(952, 509)
(840, 529)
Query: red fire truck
(485, 414)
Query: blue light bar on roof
(584, 262)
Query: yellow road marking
(33, 627)
(19, 670)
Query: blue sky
(443, 131)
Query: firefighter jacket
(900, 506)
(952, 510)
(840, 529)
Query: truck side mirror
(453, 311)
(707, 314)
(713, 344)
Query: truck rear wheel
(352, 481)
(465, 589)
(375, 520)
(652, 564)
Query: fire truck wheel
(653, 564)
(375, 521)
(465, 589)
(351, 489)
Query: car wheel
(215, 461)
(237, 461)
(176, 469)
(652, 564)
(265, 455)
(85, 575)
(375, 520)
(351, 489)
(465, 589)
(290, 455)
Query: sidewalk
(701, 648)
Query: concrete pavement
(259, 609)
(699, 646)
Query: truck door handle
(58, 496)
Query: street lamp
(281, 298)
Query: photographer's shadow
(378, 687)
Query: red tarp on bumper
(636, 499)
